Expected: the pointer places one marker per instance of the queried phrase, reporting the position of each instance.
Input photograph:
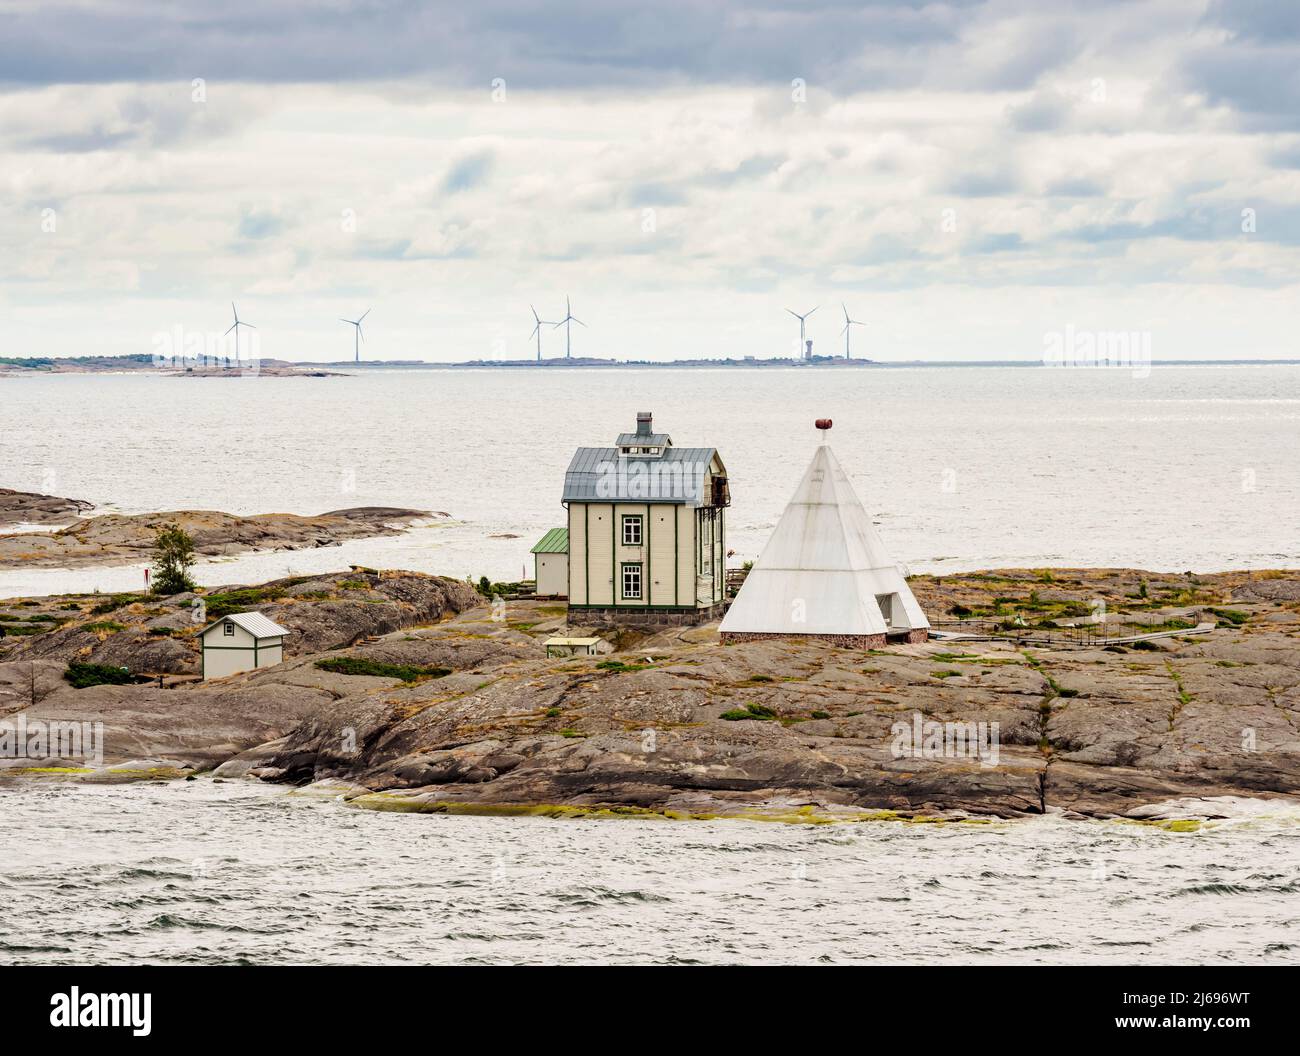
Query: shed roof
(254, 623)
(572, 641)
(603, 474)
(556, 541)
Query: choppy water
(199, 872)
(1189, 468)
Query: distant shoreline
(143, 364)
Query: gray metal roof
(601, 474)
(254, 623)
(644, 440)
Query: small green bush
(620, 667)
(223, 604)
(356, 665)
(18, 630)
(750, 711)
(84, 675)
(116, 601)
(108, 626)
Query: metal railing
(1087, 634)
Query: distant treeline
(36, 362)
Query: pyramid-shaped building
(824, 573)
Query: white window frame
(633, 520)
(228, 629)
(632, 569)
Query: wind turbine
(537, 330)
(848, 323)
(235, 327)
(357, 338)
(569, 317)
(801, 318)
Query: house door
(886, 603)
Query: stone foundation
(848, 641)
(630, 617)
(917, 636)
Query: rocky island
(33, 508)
(407, 692)
(116, 538)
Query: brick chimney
(643, 420)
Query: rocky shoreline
(116, 538)
(402, 692)
(29, 507)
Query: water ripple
(243, 873)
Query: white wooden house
(242, 641)
(647, 531)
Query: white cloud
(1083, 175)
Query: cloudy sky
(969, 178)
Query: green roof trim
(556, 541)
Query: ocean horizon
(1186, 468)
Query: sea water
(1181, 468)
(204, 873)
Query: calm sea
(197, 873)
(1187, 468)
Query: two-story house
(647, 531)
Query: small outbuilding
(551, 555)
(573, 646)
(241, 641)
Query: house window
(228, 629)
(632, 582)
(632, 530)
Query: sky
(969, 180)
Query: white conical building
(824, 572)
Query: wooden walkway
(1062, 640)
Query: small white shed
(552, 557)
(242, 641)
(573, 646)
